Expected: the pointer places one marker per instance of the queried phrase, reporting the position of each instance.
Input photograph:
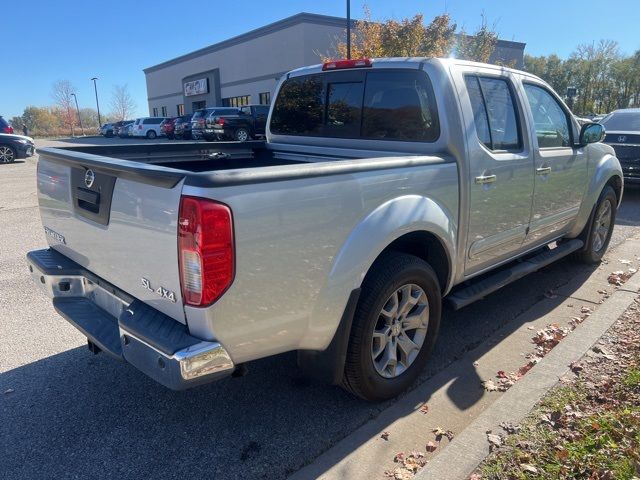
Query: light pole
(348, 29)
(78, 110)
(95, 88)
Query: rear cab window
(380, 104)
(494, 112)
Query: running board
(481, 288)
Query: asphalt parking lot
(69, 414)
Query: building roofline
(296, 19)
(303, 17)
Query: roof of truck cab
(411, 62)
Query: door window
(494, 112)
(550, 119)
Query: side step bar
(481, 288)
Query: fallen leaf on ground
(576, 367)
(495, 441)
(510, 427)
(489, 386)
(424, 408)
(550, 294)
(529, 468)
(8, 390)
(385, 435)
(431, 447)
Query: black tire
(241, 135)
(593, 252)
(388, 274)
(151, 134)
(8, 154)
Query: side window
(480, 117)
(501, 111)
(549, 118)
(399, 106)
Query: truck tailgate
(119, 228)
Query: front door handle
(543, 171)
(483, 179)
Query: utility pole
(349, 29)
(95, 88)
(78, 110)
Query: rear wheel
(7, 154)
(394, 327)
(151, 134)
(241, 135)
(600, 228)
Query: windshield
(622, 121)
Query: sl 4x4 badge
(163, 292)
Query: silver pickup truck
(385, 187)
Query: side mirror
(591, 133)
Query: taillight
(220, 121)
(205, 250)
(8, 129)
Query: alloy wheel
(601, 225)
(400, 331)
(6, 154)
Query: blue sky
(47, 40)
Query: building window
(265, 98)
(198, 105)
(236, 101)
(180, 109)
(164, 111)
(155, 112)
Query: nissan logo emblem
(622, 138)
(89, 178)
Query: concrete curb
(470, 447)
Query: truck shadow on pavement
(74, 411)
(74, 414)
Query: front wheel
(601, 225)
(394, 327)
(7, 154)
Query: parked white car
(147, 127)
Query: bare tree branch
(122, 104)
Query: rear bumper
(125, 328)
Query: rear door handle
(483, 179)
(543, 170)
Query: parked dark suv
(250, 122)
(623, 134)
(182, 128)
(197, 122)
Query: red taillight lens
(8, 129)
(205, 250)
(339, 64)
(220, 121)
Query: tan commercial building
(246, 68)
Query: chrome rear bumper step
(125, 328)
